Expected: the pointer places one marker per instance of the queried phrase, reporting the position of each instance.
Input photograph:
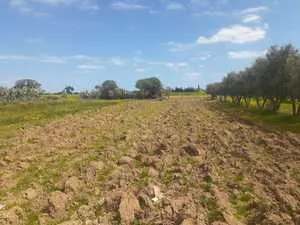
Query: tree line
(30, 90)
(147, 88)
(185, 89)
(23, 90)
(270, 81)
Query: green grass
(20, 115)
(196, 93)
(281, 120)
(214, 211)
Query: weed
(214, 211)
(295, 173)
(168, 178)
(144, 178)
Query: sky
(182, 42)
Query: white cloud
(208, 3)
(124, 5)
(193, 76)
(10, 57)
(252, 18)
(142, 70)
(52, 59)
(254, 10)
(29, 6)
(90, 67)
(117, 61)
(234, 34)
(175, 6)
(43, 59)
(178, 47)
(171, 65)
(201, 58)
(246, 54)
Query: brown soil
(170, 162)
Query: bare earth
(171, 162)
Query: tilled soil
(171, 162)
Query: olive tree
(150, 87)
(69, 90)
(270, 80)
(293, 67)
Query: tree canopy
(150, 87)
(270, 81)
(27, 83)
(69, 90)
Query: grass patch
(186, 160)
(143, 178)
(214, 211)
(241, 202)
(21, 115)
(282, 120)
(195, 93)
(295, 173)
(168, 178)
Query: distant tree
(69, 90)
(271, 80)
(108, 90)
(293, 67)
(109, 85)
(24, 90)
(150, 87)
(27, 83)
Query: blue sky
(182, 42)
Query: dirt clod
(192, 149)
(129, 208)
(57, 204)
(30, 194)
(14, 216)
(125, 160)
(73, 185)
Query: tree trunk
(298, 109)
(294, 106)
(257, 102)
(247, 101)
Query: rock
(281, 219)
(73, 185)
(71, 222)
(44, 218)
(297, 220)
(85, 212)
(97, 165)
(153, 172)
(129, 208)
(126, 160)
(105, 220)
(30, 194)
(2, 206)
(158, 195)
(8, 159)
(91, 222)
(3, 163)
(92, 169)
(57, 204)
(188, 222)
(15, 216)
(112, 202)
(178, 204)
(191, 149)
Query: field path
(150, 162)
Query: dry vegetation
(179, 161)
